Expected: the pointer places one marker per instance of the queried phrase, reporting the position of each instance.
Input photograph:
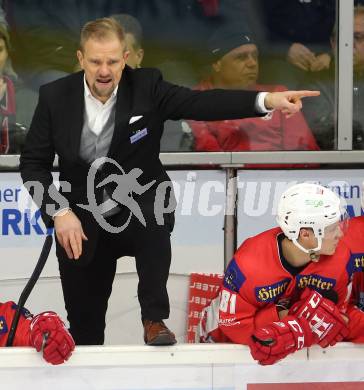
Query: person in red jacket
(7, 94)
(235, 65)
(288, 287)
(45, 332)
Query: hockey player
(354, 239)
(45, 332)
(286, 288)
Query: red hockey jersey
(22, 335)
(256, 281)
(354, 239)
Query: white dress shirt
(96, 112)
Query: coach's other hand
(70, 234)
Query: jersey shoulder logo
(233, 277)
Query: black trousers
(86, 289)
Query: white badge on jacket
(135, 118)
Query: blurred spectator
(234, 65)
(7, 93)
(45, 33)
(321, 115)
(45, 36)
(16, 102)
(133, 37)
(297, 31)
(173, 138)
(175, 31)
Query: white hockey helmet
(307, 205)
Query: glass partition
(358, 78)
(277, 45)
(264, 45)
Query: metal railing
(238, 159)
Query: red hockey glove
(48, 333)
(324, 318)
(278, 339)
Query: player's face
(103, 62)
(332, 236)
(238, 68)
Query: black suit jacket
(57, 125)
